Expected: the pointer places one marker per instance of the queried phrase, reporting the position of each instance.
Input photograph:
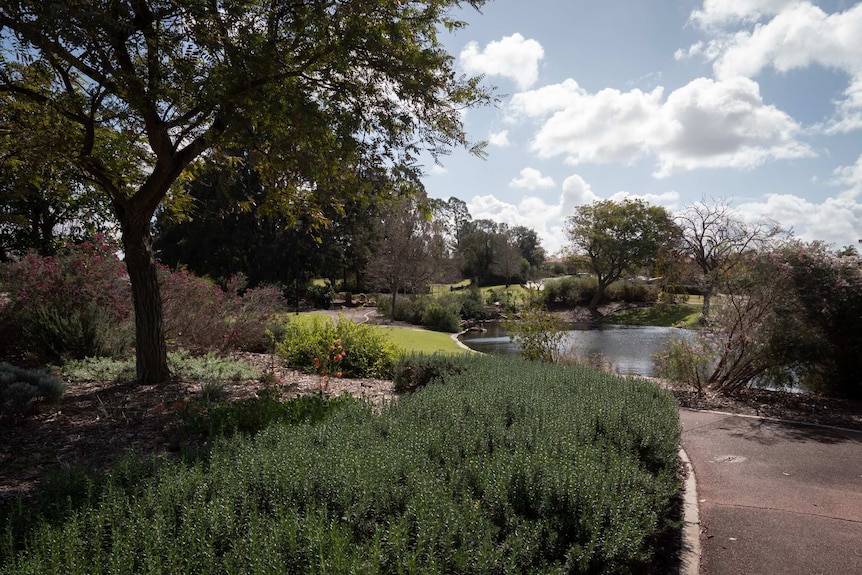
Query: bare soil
(98, 421)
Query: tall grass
(509, 467)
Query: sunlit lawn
(410, 339)
(674, 315)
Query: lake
(629, 349)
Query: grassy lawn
(416, 340)
(674, 315)
(410, 339)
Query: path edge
(690, 554)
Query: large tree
(315, 89)
(45, 195)
(716, 238)
(411, 250)
(620, 237)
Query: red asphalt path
(775, 497)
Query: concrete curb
(690, 553)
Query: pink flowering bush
(201, 316)
(72, 305)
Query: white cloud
(438, 170)
(512, 57)
(836, 221)
(499, 139)
(794, 35)
(725, 124)
(850, 176)
(532, 179)
(720, 12)
(576, 192)
(549, 219)
(797, 37)
(706, 123)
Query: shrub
(320, 296)
(570, 291)
(20, 389)
(688, 361)
(441, 318)
(75, 304)
(511, 467)
(626, 291)
(250, 416)
(182, 364)
(538, 333)
(201, 316)
(415, 371)
(367, 351)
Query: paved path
(774, 497)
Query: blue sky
(757, 102)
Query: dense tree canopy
(314, 90)
(620, 237)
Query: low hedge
(508, 467)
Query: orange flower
(338, 374)
(316, 362)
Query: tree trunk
(150, 348)
(707, 296)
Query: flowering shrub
(201, 316)
(75, 304)
(363, 351)
(330, 362)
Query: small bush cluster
(250, 416)
(415, 371)
(538, 333)
(20, 389)
(78, 304)
(441, 312)
(511, 467)
(201, 316)
(367, 352)
(577, 291)
(182, 364)
(75, 304)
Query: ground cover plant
(508, 467)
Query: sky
(757, 103)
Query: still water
(629, 349)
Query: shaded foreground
(510, 467)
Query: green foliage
(688, 361)
(538, 333)
(21, 388)
(415, 371)
(571, 291)
(665, 315)
(441, 318)
(209, 367)
(620, 237)
(632, 292)
(511, 467)
(320, 296)
(250, 416)
(440, 313)
(367, 351)
(71, 305)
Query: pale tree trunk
(150, 348)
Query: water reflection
(629, 349)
